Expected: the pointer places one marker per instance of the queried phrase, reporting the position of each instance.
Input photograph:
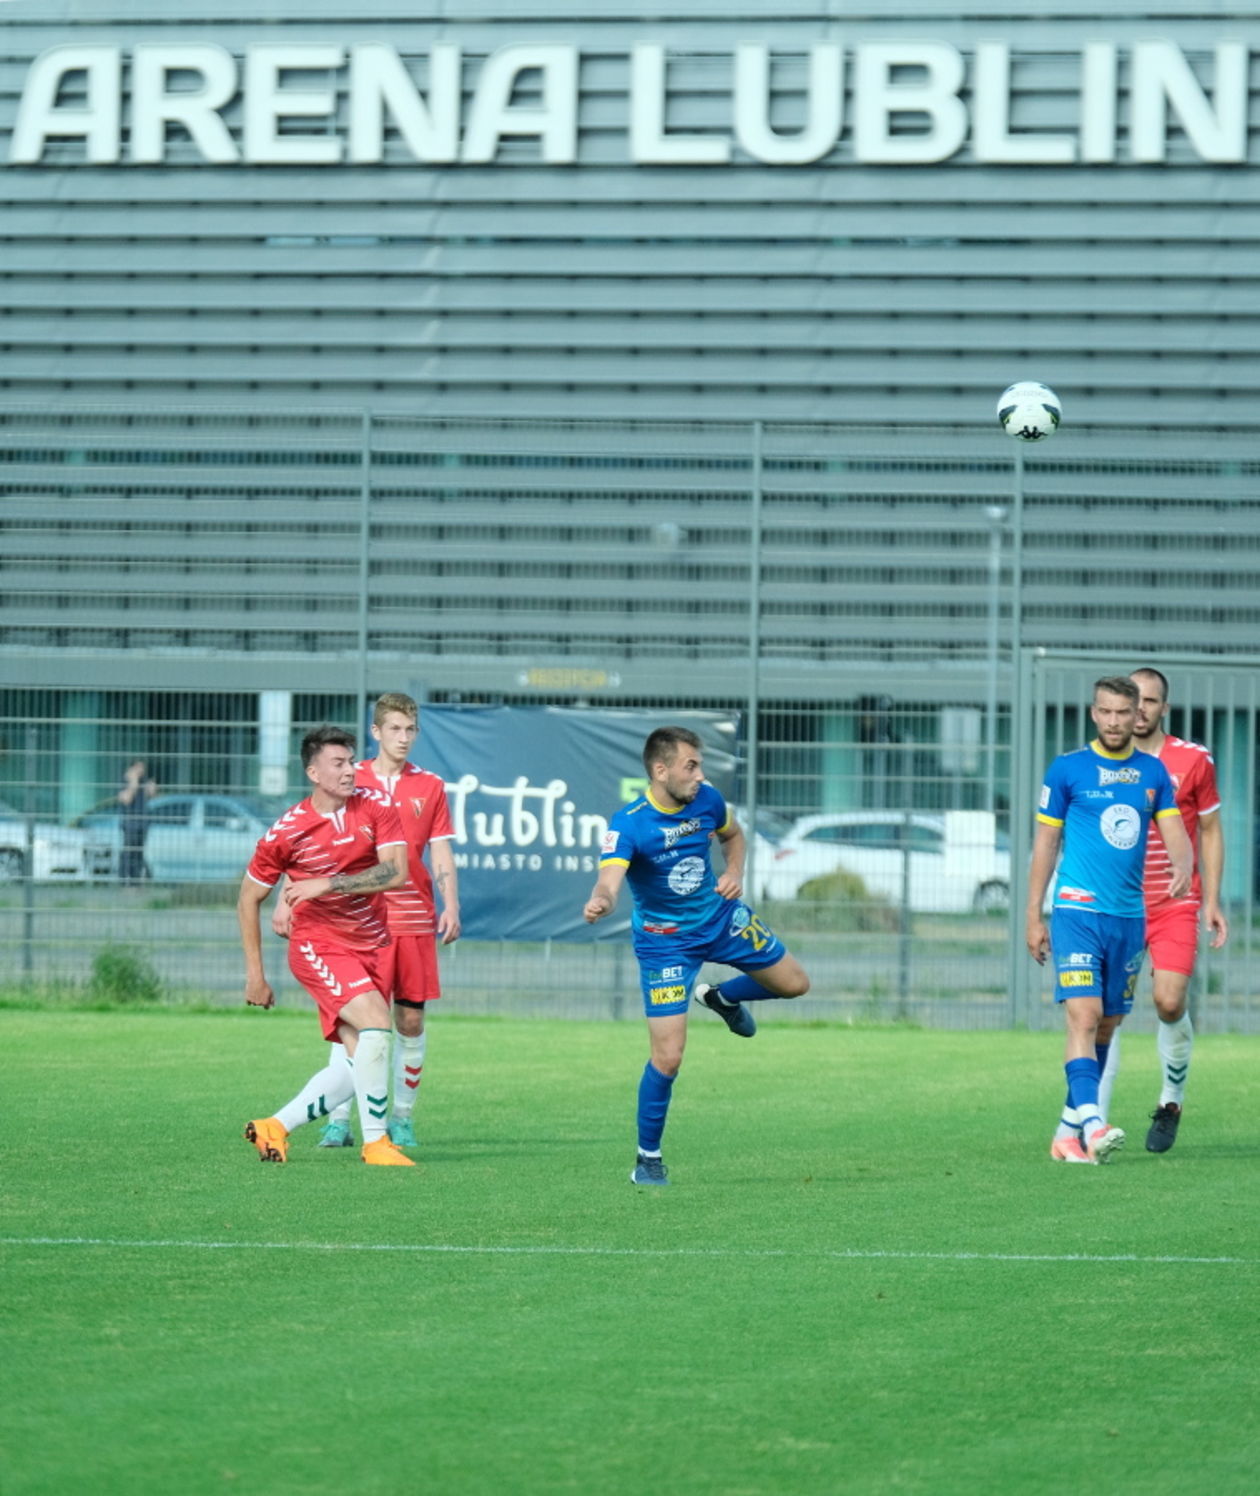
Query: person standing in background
(138, 788)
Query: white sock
(337, 1055)
(1068, 1126)
(371, 1081)
(325, 1091)
(1107, 1080)
(408, 1063)
(1176, 1040)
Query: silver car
(948, 863)
(56, 852)
(195, 838)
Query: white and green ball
(1028, 411)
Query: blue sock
(1082, 1080)
(654, 1093)
(1101, 1051)
(743, 989)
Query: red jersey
(1193, 773)
(420, 800)
(308, 844)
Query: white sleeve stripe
(259, 881)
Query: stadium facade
(586, 352)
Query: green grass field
(865, 1277)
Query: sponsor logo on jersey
(687, 874)
(1121, 827)
(659, 997)
(1076, 979)
(1080, 958)
(675, 834)
(1119, 776)
(1076, 895)
(654, 927)
(1045, 796)
(609, 844)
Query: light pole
(996, 515)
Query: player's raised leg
(777, 974)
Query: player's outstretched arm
(603, 899)
(258, 993)
(1212, 867)
(1045, 854)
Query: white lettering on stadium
(912, 103)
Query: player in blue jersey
(684, 915)
(1097, 805)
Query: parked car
(189, 838)
(955, 862)
(57, 852)
(764, 842)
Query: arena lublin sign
(910, 103)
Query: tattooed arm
(447, 884)
(389, 872)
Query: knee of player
(409, 1021)
(667, 1058)
(794, 984)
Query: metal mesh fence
(197, 587)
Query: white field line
(837, 1254)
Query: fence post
(28, 859)
(754, 662)
(365, 537)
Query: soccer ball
(1029, 411)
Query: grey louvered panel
(589, 369)
(877, 298)
(249, 256)
(429, 330)
(595, 225)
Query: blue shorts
(670, 963)
(1097, 955)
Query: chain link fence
(197, 587)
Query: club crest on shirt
(417, 805)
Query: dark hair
(1118, 685)
(662, 745)
(1155, 675)
(321, 737)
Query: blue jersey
(1105, 803)
(666, 857)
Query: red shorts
(1172, 935)
(335, 975)
(415, 969)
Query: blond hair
(394, 701)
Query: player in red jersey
(414, 924)
(341, 849)
(1172, 925)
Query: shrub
(121, 974)
(837, 901)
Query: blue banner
(531, 791)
